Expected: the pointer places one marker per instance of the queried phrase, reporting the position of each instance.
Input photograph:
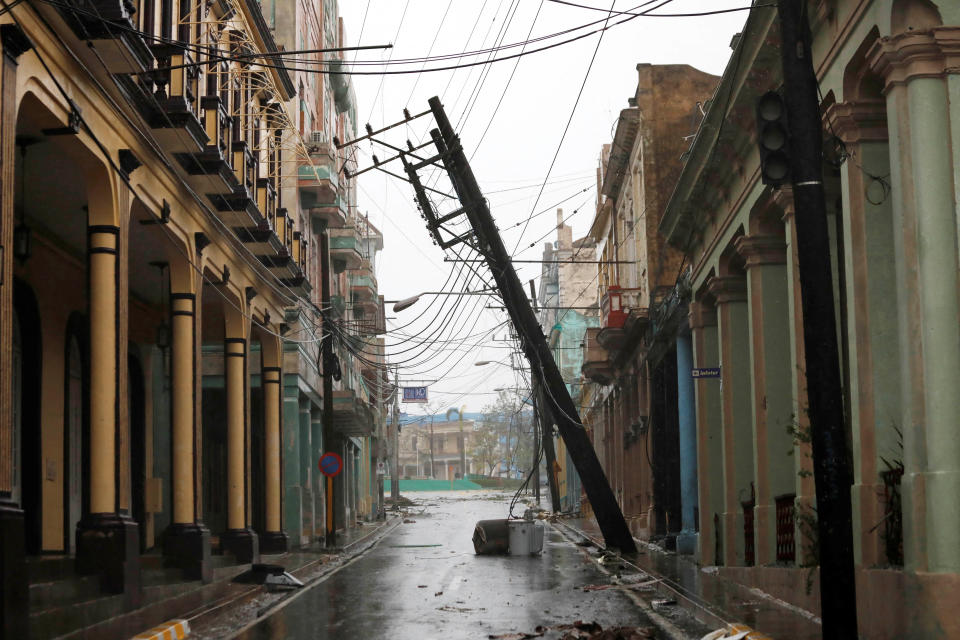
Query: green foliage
(892, 520)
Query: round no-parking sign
(330, 464)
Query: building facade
(161, 219)
(888, 78)
(631, 405)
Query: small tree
(485, 447)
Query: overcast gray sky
(517, 143)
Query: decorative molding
(762, 250)
(931, 53)
(856, 122)
(728, 288)
(15, 41)
(702, 314)
(201, 241)
(128, 161)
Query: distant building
(435, 446)
(568, 306)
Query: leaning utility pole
(831, 470)
(485, 238)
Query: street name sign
(706, 372)
(414, 394)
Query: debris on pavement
(735, 632)
(663, 602)
(408, 521)
(581, 630)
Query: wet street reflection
(424, 581)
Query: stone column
(186, 542)
(709, 411)
(730, 293)
(766, 258)
(14, 585)
(293, 444)
(922, 87)
(872, 304)
(686, 414)
(319, 480)
(274, 539)
(238, 539)
(107, 540)
(805, 501)
(306, 475)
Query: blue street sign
(706, 372)
(330, 464)
(414, 394)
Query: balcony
(363, 285)
(210, 171)
(369, 317)
(596, 361)
(109, 26)
(238, 208)
(327, 216)
(175, 118)
(344, 249)
(617, 306)
(338, 306)
(352, 417)
(319, 178)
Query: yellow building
(159, 296)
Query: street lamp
(406, 303)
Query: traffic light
(773, 136)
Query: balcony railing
(616, 303)
(345, 249)
(363, 285)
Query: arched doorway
(26, 401)
(76, 473)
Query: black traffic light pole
(564, 411)
(831, 468)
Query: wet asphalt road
(443, 590)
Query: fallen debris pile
(581, 630)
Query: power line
(565, 130)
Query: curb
(345, 555)
(699, 612)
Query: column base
(687, 543)
(187, 546)
(274, 542)
(733, 541)
(108, 544)
(14, 583)
(764, 534)
(243, 544)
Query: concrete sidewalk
(248, 603)
(712, 599)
